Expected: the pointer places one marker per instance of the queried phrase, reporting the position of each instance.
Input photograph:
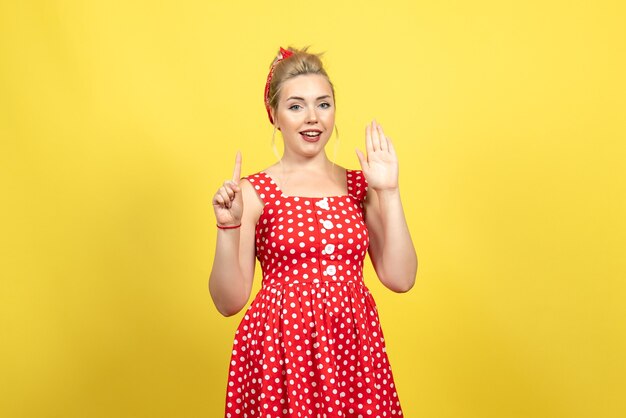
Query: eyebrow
(300, 98)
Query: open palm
(380, 167)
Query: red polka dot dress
(310, 344)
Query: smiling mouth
(311, 136)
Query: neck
(318, 163)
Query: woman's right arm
(230, 283)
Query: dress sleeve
(357, 184)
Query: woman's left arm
(391, 248)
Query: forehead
(306, 86)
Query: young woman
(310, 344)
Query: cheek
(286, 117)
(279, 119)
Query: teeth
(311, 133)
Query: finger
(368, 140)
(383, 139)
(218, 200)
(375, 138)
(229, 185)
(229, 192)
(362, 159)
(237, 170)
(224, 194)
(391, 147)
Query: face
(305, 114)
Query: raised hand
(380, 167)
(227, 202)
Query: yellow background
(119, 119)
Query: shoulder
(253, 178)
(253, 204)
(251, 182)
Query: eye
(295, 107)
(325, 105)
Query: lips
(311, 135)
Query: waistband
(277, 284)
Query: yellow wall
(118, 120)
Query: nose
(312, 115)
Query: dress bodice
(311, 239)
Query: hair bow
(282, 54)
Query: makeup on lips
(311, 135)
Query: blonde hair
(300, 63)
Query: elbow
(225, 305)
(403, 280)
(405, 285)
(226, 312)
(411, 275)
(400, 283)
(227, 309)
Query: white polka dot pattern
(310, 344)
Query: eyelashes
(323, 105)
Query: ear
(274, 118)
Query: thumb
(362, 159)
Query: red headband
(283, 54)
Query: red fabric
(310, 344)
(283, 54)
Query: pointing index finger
(237, 171)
